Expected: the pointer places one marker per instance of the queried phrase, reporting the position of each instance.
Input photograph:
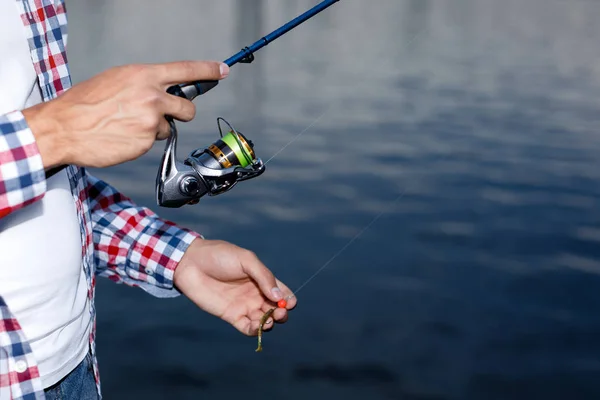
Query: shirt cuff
(22, 175)
(155, 255)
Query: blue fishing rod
(176, 185)
(231, 159)
(246, 55)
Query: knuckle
(156, 101)
(155, 96)
(120, 68)
(250, 255)
(152, 97)
(134, 69)
(150, 121)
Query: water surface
(481, 282)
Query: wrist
(49, 137)
(188, 260)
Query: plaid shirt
(121, 241)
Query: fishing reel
(210, 171)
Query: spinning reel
(219, 167)
(206, 171)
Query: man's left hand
(232, 284)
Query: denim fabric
(78, 385)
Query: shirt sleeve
(22, 176)
(132, 245)
(61, 15)
(19, 373)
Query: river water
(482, 281)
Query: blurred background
(481, 282)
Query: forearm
(132, 245)
(49, 135)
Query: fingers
(178, 108)
(164, 129)
(264, 278)
(288, 295)
(189, 71)
(246, 326)
(280, 315)
(256, 315)
(249, 325)
(271, 288)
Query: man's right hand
(117, 115)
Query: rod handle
(192, 90)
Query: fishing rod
(246, 55)
(231, 159)
(217, 168)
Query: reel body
(206, 171)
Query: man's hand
(232, 284)
(117, 115)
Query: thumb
(265, 279)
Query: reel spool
(206, 171)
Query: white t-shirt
(41, 276)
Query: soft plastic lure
(263, 320)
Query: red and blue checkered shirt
(124, 242)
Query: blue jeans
(78, 385)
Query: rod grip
(192, 90)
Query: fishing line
(300, 134)
(336, 255)
(323, 114)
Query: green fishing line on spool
(241, 151)
(233, 150)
